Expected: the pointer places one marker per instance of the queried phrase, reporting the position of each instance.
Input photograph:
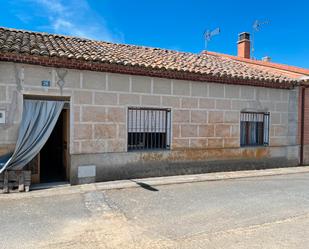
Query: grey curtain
(38, 121)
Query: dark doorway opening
(52, 168)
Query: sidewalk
(154, 181)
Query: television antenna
(256, 28)
(208, 36)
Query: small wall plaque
(45, 83)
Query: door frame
(66, 140)
(67, 107)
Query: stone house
(133, 111)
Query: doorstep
(47, 185)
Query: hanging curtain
(38, 121)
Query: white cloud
(61, 24)
(25, 18)
(54, 6)
(74, 17)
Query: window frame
(265, 129)
(166, 133)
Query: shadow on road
(145, 186)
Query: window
(148, 128)
(254, 128)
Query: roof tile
(43, 44)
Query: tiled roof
(291, 71)
(20, 42)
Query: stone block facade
(205, 115)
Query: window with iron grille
(254, 128)
(148, 128)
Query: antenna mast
(208, 36)
(256, 28)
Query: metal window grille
(148, 128)
(254, 128)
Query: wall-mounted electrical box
(2, 116)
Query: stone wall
(204, 115)
(115, 166)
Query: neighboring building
(135, 111)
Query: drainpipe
(304, 86)
(302, 125)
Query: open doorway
(51, 155)
(52, 162)
(54, 154)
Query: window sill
(253, 146)
(148, 150)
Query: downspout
(302, 125)
(304, 86)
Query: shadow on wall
(145, 186)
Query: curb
(154, 181)
(218, 176)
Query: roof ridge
(94, 40)
(41, 33)
(279, 66)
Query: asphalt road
(260, 212)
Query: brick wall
(204, 115)
(306, 117)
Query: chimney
(243, 45)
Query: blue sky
(172, 24)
